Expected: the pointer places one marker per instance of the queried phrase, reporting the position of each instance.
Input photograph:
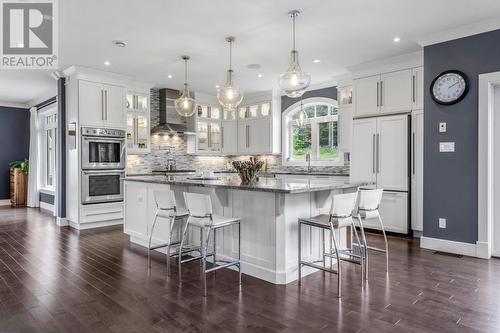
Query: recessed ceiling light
(396, 40)
(253, 66)
(107, 63)
(316, 61)
(119, 43)
(260, 75)
(217, 86)
(170, 76)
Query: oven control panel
(107, 132)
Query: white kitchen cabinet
(418, 88)
(243, 141)
(208, 129)
(417, 170)
(260, 136)
(366, 96)
(393, 212)
(363, 150)
(229, 137)
(396, 91)
(101, 105)
(138, 124)
(345, 128)
(136, 210)
(392, 92)
(392, 153)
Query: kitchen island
(269, 210)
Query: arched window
(317, 137)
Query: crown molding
(386, 65)
(14, 105)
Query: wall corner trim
(61, 222)
(443, 245)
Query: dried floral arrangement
(248, 169)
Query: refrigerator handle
(413, 153)
(378, 152)
(373, 153)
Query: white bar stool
(340, 217)
(166, 208)
(368, 208)
(201, 216)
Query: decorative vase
(248, 170)
(18, 188)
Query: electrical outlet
(442, 127)
(442, 223)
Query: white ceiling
(340, 33)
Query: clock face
(449, 87)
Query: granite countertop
(263, 173)
(264, 184)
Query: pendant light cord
(293, 29)
(185, 71)
(230, 55)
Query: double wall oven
(103, 163)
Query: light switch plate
(442, 127)
(447, 147)
(442, 223)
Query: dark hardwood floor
(59, 280)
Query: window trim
(287, 137)
(42, 153)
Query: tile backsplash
(164, 148)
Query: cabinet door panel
(392, 159)
(115, 111)
(418, 88)
(243, 143)
(393, 212)
(229, 137)
(363, 150)
(90, 103)
(365, 95)
(260, 136)
(417, 171)
(345, 128)
(136, 210)
(396, 91)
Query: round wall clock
(449, 87)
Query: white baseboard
(5, 202)
(466, 249)
(47, 206)
(61, 222)
(483, 250)
(83, 226)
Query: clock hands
(454, 84)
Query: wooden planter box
(18, 188)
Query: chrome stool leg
(239, 252)
(364, 246)
(386, 245)
(300, 252)
(183, 238)
(337, 256)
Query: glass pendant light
(302, 115)
(229, 95)
(294, 82)
(185, 105)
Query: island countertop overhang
(264, 184)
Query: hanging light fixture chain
(293, 29)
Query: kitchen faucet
(308, 159)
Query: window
(318, 136)
(48, 140)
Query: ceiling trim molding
(460, 32)
(14, 105)
(386, 65)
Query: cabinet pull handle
(373, 152)
(248, 136)
(106, 104)
(381, 93)
(209, 134)
(102, 104)
(378, 94)
(137, 131)
(413, 88)
(413, 164)
(222, 137)
(378, 152)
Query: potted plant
(18, 183)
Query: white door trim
(485, 162)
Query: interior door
(260, 135)
(417, 171)
(363, 150)
(229, 137)
(365, 96)
(392, 153)
(115, 111)
(396, 91)
(91, 103)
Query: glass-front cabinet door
(214, 140)
(138, 138)
(130, 131)
(142, 128)
(202, 136)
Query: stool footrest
(159, 246)
(376, 249)
(224, 265)
(313, 265)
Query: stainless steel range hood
(170, 121)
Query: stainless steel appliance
(103, 148)
(100, 186)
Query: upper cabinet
(138, 124)
(101, 105)
(344, 99)
(208, 129)
(393, 92)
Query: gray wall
(14, 142)
(329, 92)
(450, 179)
